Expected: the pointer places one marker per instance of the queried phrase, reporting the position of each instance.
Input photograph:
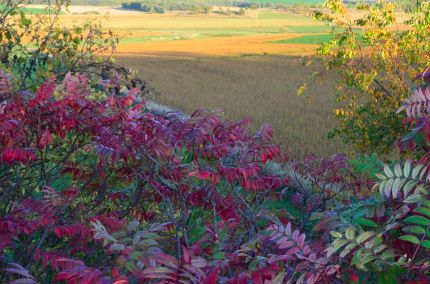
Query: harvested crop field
(260, 87)
(223, 46)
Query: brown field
(260, 87)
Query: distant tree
(206, 10)
(196, 9)
(159, 6)
(135, 5)
(159, 10)
(376, 66)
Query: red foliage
(119, 162)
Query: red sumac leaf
(292, 251)
(212, 276)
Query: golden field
(226, 46)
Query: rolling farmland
(248, 66)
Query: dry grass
(260, 87)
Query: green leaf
(356, 257)
(381, 176)
(376, 242)
(426, 202)
(379, 248)
(416, 171)
(335, 246)
(382, 187)
(423, 210)
(366, 222)
(78, 30)
(415, 229)
(350, 233)
(136, 255)
(398, 184)
(398, 170)
(388, 171)
(413, 198)
(408, 187)
(426, 244)
(347, 249)
(130, 266)
(407, 168)
(219, 255)
(62, 183)
(386, 277)
(150, 235)
(420, 139)
(366, 259)
(335, 234)
(77, 40)
(388, 186)
(419, 220)
(387, 254)
(421, 189)
(25, 22)
(365, 236)
(410, 238)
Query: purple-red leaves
(75, 85)
(212, 276)
(204, 174)
(269, 153)
(109, 161)
(13, 155)
(74, 271)
(44, 92)
(45, 139)
(72, 230)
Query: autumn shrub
(70, 160)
